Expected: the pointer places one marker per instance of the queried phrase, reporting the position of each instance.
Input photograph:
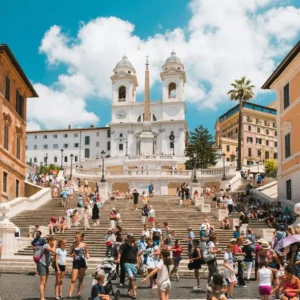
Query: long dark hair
(168, 261)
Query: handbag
(109, 243)
(191, 265)
(150, 263)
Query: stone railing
(149, 172)
(214, 172)
(151, 157)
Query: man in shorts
(129, 255)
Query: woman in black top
(95, 215)
(196, 256)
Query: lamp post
(172, 139)
(46, 159)
(126, 148)
(195, 170)
(71, 156)
(41, 165)
(62, 156)
(102, 156)
(224, 175)
(237, 155)
(259, 154)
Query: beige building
(15, 88)
(259, 133)
(286, 82)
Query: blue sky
(211, 63)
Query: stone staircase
(166, 208)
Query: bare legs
(43, 282)
(80, 273)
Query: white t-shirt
(162, 274)
(229, 201)
(229, 258)
(264, 277)
(62, 256)
(69, 212)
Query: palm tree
(243, 92)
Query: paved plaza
(26, 287)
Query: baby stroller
(109, 269)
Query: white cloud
(223, 41)
(32, 125)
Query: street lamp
(172, 139)
(102, 156)
(224, 176)
(195, 171)
(71, 156)
(259, 154)
(46, 159)
(237, 159)
(126, 148)
(62, 156)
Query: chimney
(69, 127)
(91, 126)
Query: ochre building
(15, 88)
(286, 82)
(259, 133)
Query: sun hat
(247, 242)
(233, 240)
(202, 227)
(109, 229)
(265, 245)
(261, 240)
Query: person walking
(60, 268)
(239, 257)
(42, 260)
(86, 217)
(177, 250)
(95, 215)
(151, 216)
(212, 247)
(189, 240)
(135, 199)
(195, 263)
(129, 253)
(79, 252)
(264, 280)
(229, 270)
(145, 213)
(248, 249)
(163, 280)
(109, 240)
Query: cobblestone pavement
(26, 287)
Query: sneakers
(197, 288)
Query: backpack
(38, 255)
(207, 256)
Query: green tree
(243, 92)
(201, 144)
(47, 169)
(271, 167)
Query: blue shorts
(130, 269)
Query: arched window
(122, 93)
(267, 155)
(35, 160)
(154, 119)
(87, 140)
(76, 158)
(275, 155)
(66, 159)
(55, 159)
(172, 90)
(141, 118)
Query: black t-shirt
(128, 253)
(248, 250)
(145, 211)
(136, 197)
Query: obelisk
(147, 136)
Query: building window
(121, 147)
(97, 144)
(18, 148)
(249, 139)
(97, 134)
(108, 133)
(35, 160)
(267, 131)
(122, 93)
(19, 103)
(75, 135)
(266, 123)
(274, 125)
(267, 143)
(76, 158)
(257, 121)
(172, 90)
(258, 141)
(35, 137)
(286, 96)
(55, 146)
(249, 128)
(55, 136)
(258, 130)
(287, 145)
(289, 189)
(44, 136)
(45, 146)
(35, 147)
(249, 152)
(267, 155)
(275, 144)
(66, 145)
(87, 140)
(17, 188)
(4, 183)
(258, 152)
(275, 155)
(108, 146)
(66, 159)
(55, 159)
(7, 88)
(6, 136)
(65, 135)
(76, 145)
(227, 148)
(275, 132)
(87, 153)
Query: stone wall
(31, 189)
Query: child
(60, 267)
(217, 288)
(264, 280)
(98, 290)
(229, 270)
(163, 275)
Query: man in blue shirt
(237, 232)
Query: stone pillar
(103, 191)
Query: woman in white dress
(86, 217)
